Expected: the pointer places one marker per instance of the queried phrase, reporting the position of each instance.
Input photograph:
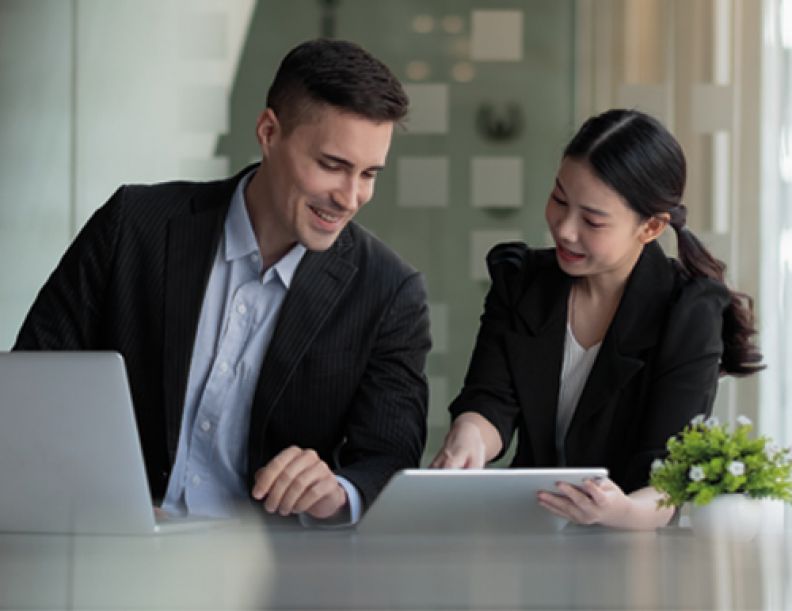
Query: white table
(249, 566)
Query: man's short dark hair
(339, 73)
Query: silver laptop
(459, 501)
(70, 456)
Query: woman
(599, 350)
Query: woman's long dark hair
(637, 157)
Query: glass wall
(95, 94)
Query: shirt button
(223, 367)
(205, 426)
(254, 257)
(196, 479)
(241, 309)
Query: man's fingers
(297, 480)
(304, 484)
(323, 499)
(290, 472)
(267, 476)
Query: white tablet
(460, 501)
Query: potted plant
(723, 473)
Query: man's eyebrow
(348, 164)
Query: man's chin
(319, 243)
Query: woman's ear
(653, 227)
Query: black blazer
(344, 370)
(657, 367)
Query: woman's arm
(470, 444)
(603, 502)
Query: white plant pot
(728, 516)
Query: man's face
(319, 175)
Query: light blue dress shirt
(237, 320)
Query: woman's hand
(603, 502)
(470, 444)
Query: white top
(575, 370)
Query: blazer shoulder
(695, 320)
(169, 198)
(699, 296)
(516, 263)
(372, 256)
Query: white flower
(711, 422)
(771, 449)
(657, 464)
(736, 468)
(697, 420)
(744, 421)
(696, 473)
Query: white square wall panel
(422, 182)
(428, 108)
(497, 36)
(496, 182)
(481, 241)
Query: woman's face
(595, 231)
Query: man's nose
(352, 194)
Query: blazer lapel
(320, 281)
(636, 326)
(192, 241)
(536, 358)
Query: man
(274, 348)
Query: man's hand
(298, 481)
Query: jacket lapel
(318, 284)
(192, 241)
(635, 328)
(536, 358)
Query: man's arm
(386, 424)
(66, 312)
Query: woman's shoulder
(515, 259)
(695, 311)
(691, 290)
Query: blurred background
(94, 94)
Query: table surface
(253, 564)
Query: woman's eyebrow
(590, 209)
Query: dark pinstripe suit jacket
(343, 373)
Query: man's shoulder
(371, 255)
(174, 197)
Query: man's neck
(257, 203)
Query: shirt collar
(240, 240)
(288, 263)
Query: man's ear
(653, 227)
(268, 130)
